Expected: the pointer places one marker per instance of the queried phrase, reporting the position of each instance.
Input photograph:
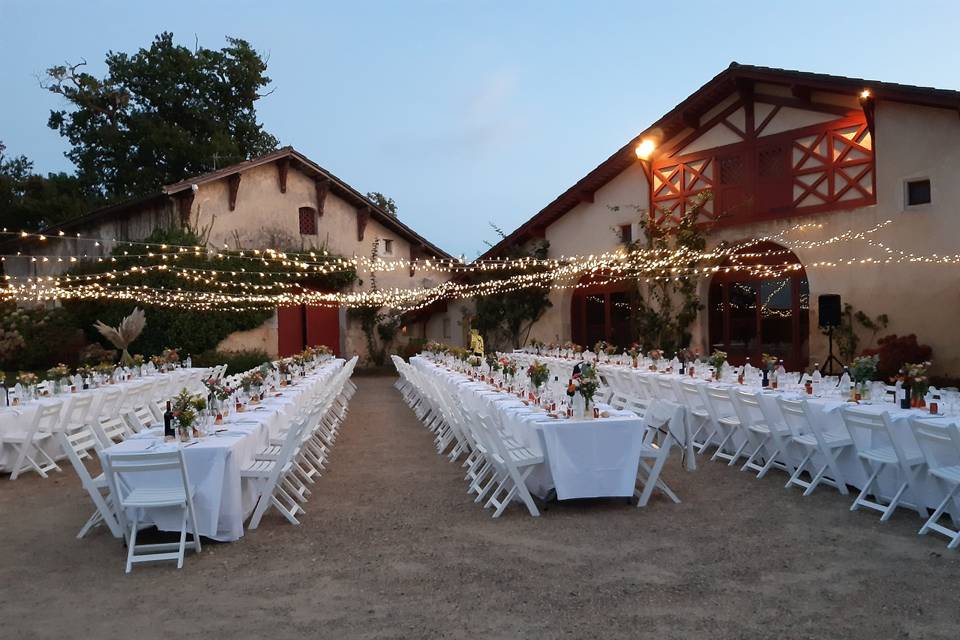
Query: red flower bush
(895, 351)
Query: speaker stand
(828, 363)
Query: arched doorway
(602, 311)
(750, 315)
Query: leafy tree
(382, 201)
(30, 201)
(160, 115)
(665, 308)
(505, 319)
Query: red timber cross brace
(283, 166)
(233, 183)
(322, 188)
(363, 217)
(822, 167)
(184, 204)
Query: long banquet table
(582, 458)
(222, 499)
(827, 412)
(17, 420)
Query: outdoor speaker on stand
(829, 316)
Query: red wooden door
(290, 330)
(323, 327)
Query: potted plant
(919, 383)
(863, 370)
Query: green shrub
(236, 361)
(48, 336)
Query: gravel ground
(392, 547)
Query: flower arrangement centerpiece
(105, 369)
(27, 378)
(919, 382)
(717, 360)
(611, 350)
(600, 347)
(769, 361)
(509, 367)
(251, 384)
(136, 360)
(474, 361)
(186, 408)
(634, 352)
(493, 362)
(59, 375)
(283, 368)
(538, 373)
(863, 370)
(537, 346)
(171, 357)
(85, 371)
(655, 356)
(585, 385)
(159, 362)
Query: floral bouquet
(918, 379)
(864, 369)
(171, 356)
(185, 408)
(600, 347)
(588, 383)
(538, 373)
(158, 361)
(252, 379)
(27, 378)
(655, 354)
(137, 360)
(493, 362)
(769, 361)
(611, 349)
(717, 359)
(474, 361)
(58, 372)
(85, 371)
(105, 368)
(509, 367)
(217, 389)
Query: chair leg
(183, 538)
(132, 542)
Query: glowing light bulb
(645, 149)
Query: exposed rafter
(233, 183)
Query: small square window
(388, 247)
(918, 192)
(308, 221)
(626, 233)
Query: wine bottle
(168, 431)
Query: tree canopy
(160, 115)
(382, 201)
(30, 201)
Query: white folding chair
(726, 424)
(810, 438)
(76, 445)
(657, 421)
(692, 397)
(29, 444)
(268, 476)
(885, 451)
(121, 470)
(940, 445)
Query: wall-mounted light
(865, 94)
(645, 149)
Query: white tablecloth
(827, 412)
(16, 420)
(222, 499)
(582, 458)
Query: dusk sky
(468, 113)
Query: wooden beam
(783, 101)
(416, 252)
(586, 196)
(363, 217)
(690, 119)
(184, 204)
(869, 106)
(283, 165)
(233, 182)
(800, 92)
(322, 188)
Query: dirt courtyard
(392, 547)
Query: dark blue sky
(473, 112)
